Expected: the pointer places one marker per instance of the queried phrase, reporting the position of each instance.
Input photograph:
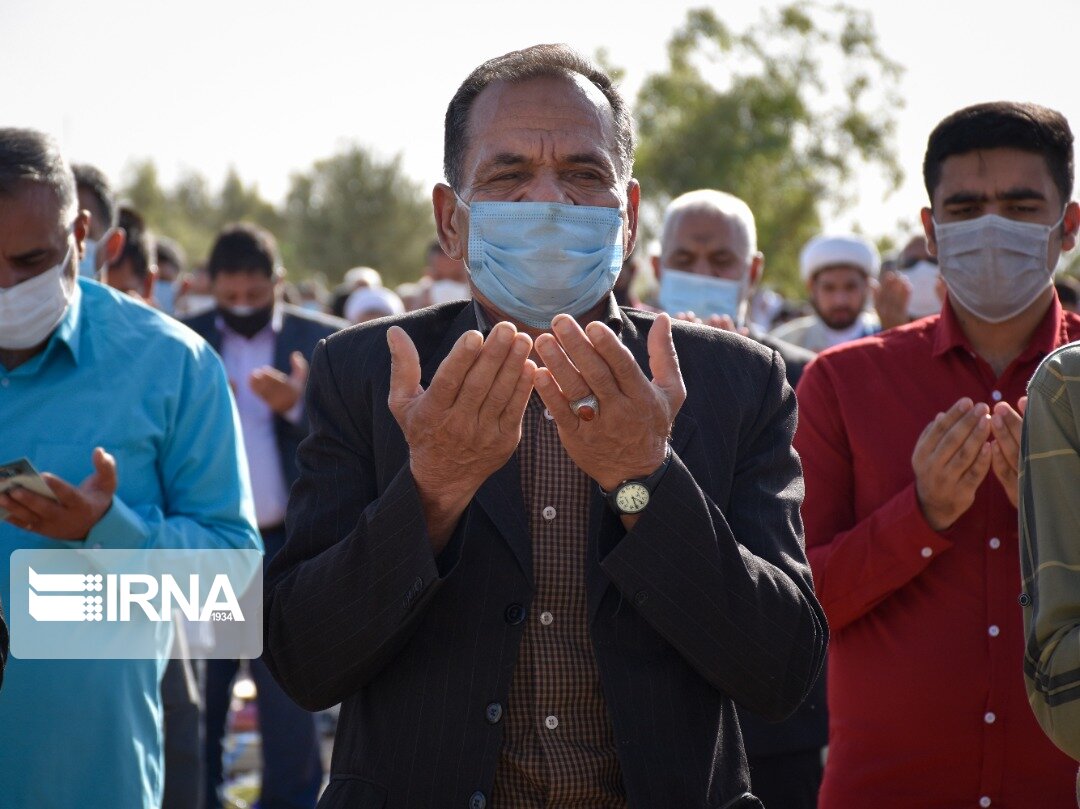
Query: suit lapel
(284, 341)
(500, 495)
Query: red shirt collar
(1048, 335)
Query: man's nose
(546, 187)
(701, 267)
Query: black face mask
(248, 324)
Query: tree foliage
(352, 210)
(781, 115)
(347, 210)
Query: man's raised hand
(628, 439)
(467, 424)
(951, 458)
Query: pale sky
(270, 87)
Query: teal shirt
(122, 376)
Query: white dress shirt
(242, 356)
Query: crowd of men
(544, 544)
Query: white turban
(847, 249)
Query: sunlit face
(121, 275)
(34, 236)
(707, 243)
(549, 139)
(838, 294)
(243, 288)
(1011, 183)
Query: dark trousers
(180, 696)
(292, 764)
(788, 780)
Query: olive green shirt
(1050, 546)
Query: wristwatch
(632, 496)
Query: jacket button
(1024, 599)
(515, 614)
(477, 800)
(494, 712)
(640, 597)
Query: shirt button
(984, 802)
(547, 414)
(551, 722)
(927, 552)
(5, 382)
(996, 396)
(989, 717)
(994, 630)
(493, 712)
(478, 800)
(995, 543)
(546, 618)
(549, 513)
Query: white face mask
(703, 295)
(923, 277)
(995, 267)
(31, 310)
(88, 263)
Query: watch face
(632, 498)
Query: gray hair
(26, 154)
(710, 201)
(519, 66)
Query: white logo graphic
(71, 597)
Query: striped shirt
(558, 744)
(1050, 546)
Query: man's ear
(757, 268)
(451, 221)
(927, 217)
(1069, 226)
(82, 228)
(633, 200)
(112, 245)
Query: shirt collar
(68, 333)
(1051, 332)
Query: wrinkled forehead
(567, 109)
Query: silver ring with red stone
(586, 408)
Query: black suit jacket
(300, 331)
(807, 728)
(706, 602)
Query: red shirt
(927, 705)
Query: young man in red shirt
(909, 441)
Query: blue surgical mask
(703, 295)
(534, 260)
(88, 263)
(165, 295)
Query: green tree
(352, 209)
(781, 115)
(190, 212)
